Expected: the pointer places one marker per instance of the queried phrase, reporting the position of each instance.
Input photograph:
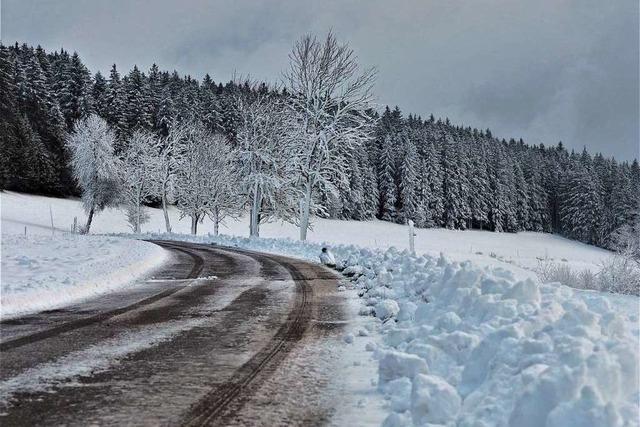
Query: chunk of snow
(433, 400)
(348, 338)
(395, 364)
(407, 311)
(398, 392)
(587, 411)
(386, 309)
(525, 292)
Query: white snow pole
(51, 215)
(412, 235)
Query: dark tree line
(440, 175)
(429, 171)
(42, 95)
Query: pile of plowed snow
(475, 346)
(43, 272)
(468, 345)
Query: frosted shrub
(588, 280)
(553, 272)
(620, 275)
(617, 275)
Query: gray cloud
(545, 70)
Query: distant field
(485, 248)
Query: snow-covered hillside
(484, 248)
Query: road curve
(219, 336)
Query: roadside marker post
(412, 236)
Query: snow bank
(475, 346)
(42, 272)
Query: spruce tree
(386, 181)
(409, 184)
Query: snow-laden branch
(331, 101)
(94, 164)
(266, 157)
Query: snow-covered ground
(483, 248)
(459, 344)
(452, 342)
(42, 271)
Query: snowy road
(220, 336)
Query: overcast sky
(544, 70)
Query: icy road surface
(220, 336)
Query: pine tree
(154, 94)
(409, 184)
(370, 184)
(386, 182)
(73, 89)
(580, 205)
(114, 99)
(8, 104)
(479, 187)
(99, 95)
(502, 215)
(137, 112)
(455, 188)
(538, 203)
(521, 199)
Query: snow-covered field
(42, 272)
(484, 248)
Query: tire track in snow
(225, 400)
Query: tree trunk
(194, 224)
(89, 219)
(254, 226)
(165, 210)
(305, 203)
(216, 222)
(137, 225)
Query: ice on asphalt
(90, 361)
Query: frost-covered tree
(265, 158)
(205, 179)
(165, 151)
(191, 178)
(94, 164)
(331, 99)
(136, 170)
(223, 191)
